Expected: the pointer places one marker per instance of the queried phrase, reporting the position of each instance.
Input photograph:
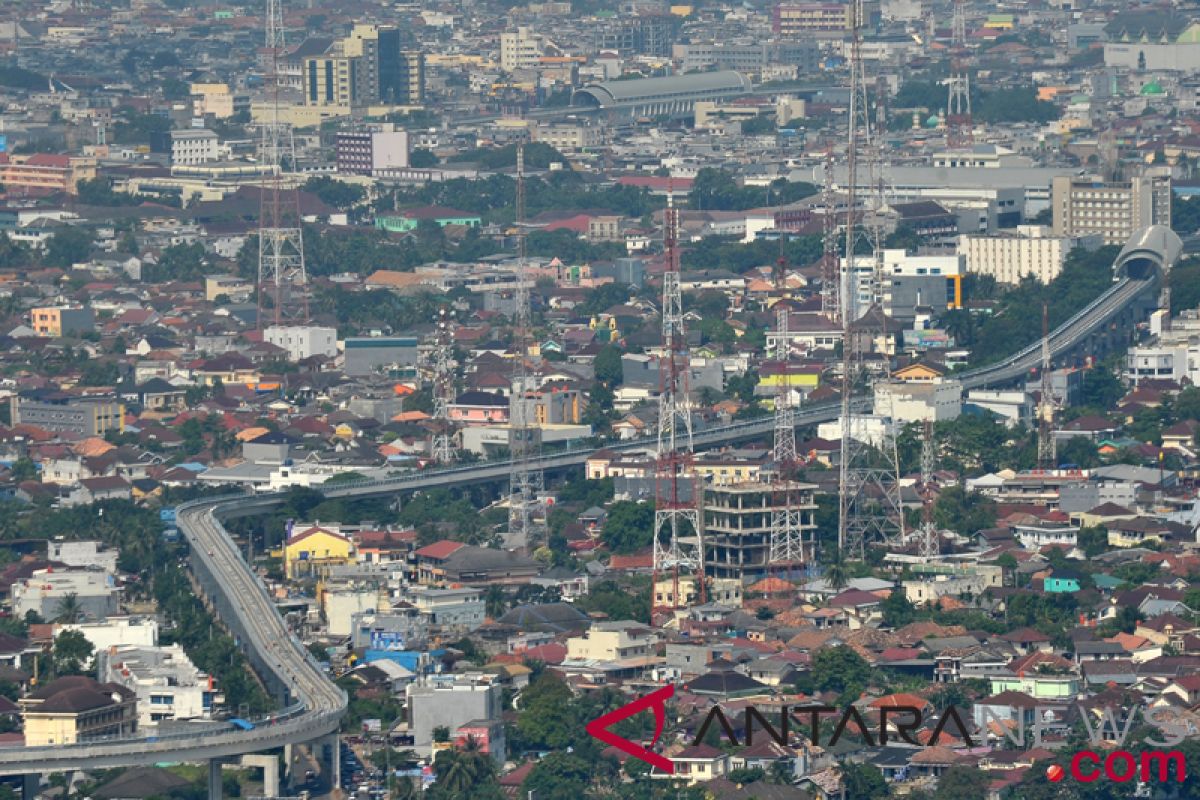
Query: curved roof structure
(1153, 247)
(697, 86)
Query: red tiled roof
(440, 550)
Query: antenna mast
(787, 548)
(869, 504)
(959, 127)
(282, 279)
(443, 391)
(525, 481)
(678, 542)
(1047, 451)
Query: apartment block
(371, 152)
(56, 321)
(1114, 210)
(1031, 250)
(58, 411)
(303, 341)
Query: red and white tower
(282, 278)
(678, 543)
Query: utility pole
(282, 278)
(678, 536)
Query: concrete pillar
(289, 755)
(214, 779)
(269, 765)
(334, 760)
(29, 786)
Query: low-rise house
(166, 683)
(75, 709)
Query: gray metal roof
(726, 82)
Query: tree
(71, 653)
(421, 158)
(462, 775)
(963, 512)
(547, 719)
(836, 575)
(958, 782)
(629, 527)
(559, 776)
(865, 782)
(607, 366)
(339, 194)
(841, 670)
(68, 610)
(68, 246)
(897, 610)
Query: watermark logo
(1121, 766)
(656, 701)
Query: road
(243, 604)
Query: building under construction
(738, 522)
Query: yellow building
(77, 707)
(313, 549)
(56, 321)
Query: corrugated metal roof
(616, 92)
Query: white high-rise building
(519, 49)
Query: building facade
(88, 416)
(1114, 210)
(737, 525)
(1031, 250)
(371, 152)
(56, 321)
(303, 341)
(166, 683)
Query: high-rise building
(520, 49)
(331, 80)
(369, 67)
(1113, 209)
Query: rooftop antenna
(443, 390)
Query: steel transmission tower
(869, 503)
(787, 548)
(678, 543)
(929, 539)
(831, 273)
(525, 480)
(281, 274)
(958, 104)
(443, 391)
(1047, 454)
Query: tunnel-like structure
(1149, 253)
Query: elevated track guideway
(312, 705)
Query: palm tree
(836, 574)
(68, 609)
(495, 602)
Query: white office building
(189, 148)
